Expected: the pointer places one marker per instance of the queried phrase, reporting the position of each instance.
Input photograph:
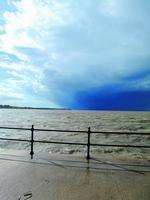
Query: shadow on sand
(92, 164)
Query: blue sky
(92, 54)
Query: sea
(77, 120)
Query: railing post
(88, 144)
(32, 141)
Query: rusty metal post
(32, 141)
(88, 144)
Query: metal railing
(88, 144)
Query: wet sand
(71, 177)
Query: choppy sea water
(76, 120)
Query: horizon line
(6, 106)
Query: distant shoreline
(30, 108)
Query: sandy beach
(71, 177)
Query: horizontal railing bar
(53, 142)
(48, 130)
(81, 131)
(121, 145)
(58, 130)
(15, 128)
(15, 139)
(121, 133)
(42, 141)
(76, 143)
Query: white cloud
(28, 26)
(9, 89)
(16, 30)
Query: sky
(78, 54)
